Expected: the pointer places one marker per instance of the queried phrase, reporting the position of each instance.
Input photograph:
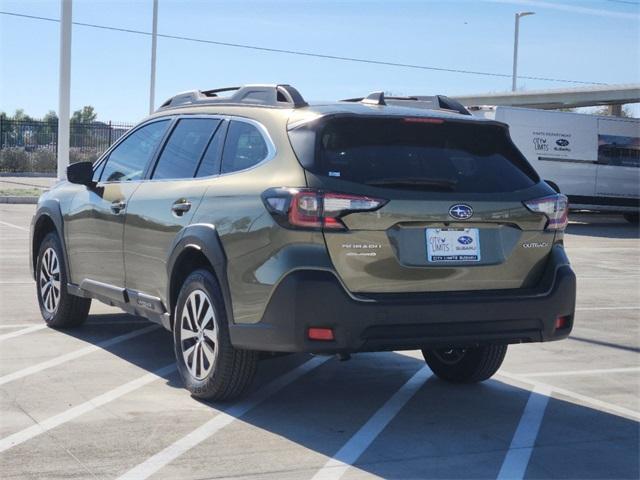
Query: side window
(243, 148)
(210, 164)
(183, 150)
(619, 151)
(129, 159)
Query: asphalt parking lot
(105, 401)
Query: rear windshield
(413, 153)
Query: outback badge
(460, 211)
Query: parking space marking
(596, 371)
(516, 461)
(89, 323)
(584, 400)
(96, 402)
(38, 367)
(32, 328)
(586, 309)
(14, 226)
(337, 466)
(217, 423)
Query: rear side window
(183, 151)
(416, 154)
(244, 147)
(129, 159)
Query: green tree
(86, 115)
(80, 130)
(50, 117)
(21, 116)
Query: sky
(587, 41)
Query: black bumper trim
(308, 298)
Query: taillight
(555, 207)
(315, 209)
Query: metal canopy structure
(560, 98)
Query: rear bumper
(309, 298)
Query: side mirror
(80, 173)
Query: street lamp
(515, 48)
(64, 88)
(154, 46)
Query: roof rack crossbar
(270, 95)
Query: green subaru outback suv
(246, 220)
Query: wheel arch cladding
(47, 219)
(198, 246)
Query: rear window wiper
(415, 183)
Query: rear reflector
(562, 322)
(316, 333)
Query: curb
(19, 200)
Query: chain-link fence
(32, 145)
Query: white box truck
(594, 160)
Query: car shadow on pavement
(443, 431)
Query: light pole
(515, 48)
(154, 45)
(64, 88)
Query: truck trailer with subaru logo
(592, 159)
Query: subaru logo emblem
(465, 240)
(561, 142)
(461, 211)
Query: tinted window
(129, 159)
(619, 150)
(183, 150)
(409, 153)
(210, 164)
(243, 148)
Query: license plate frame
(453, 245)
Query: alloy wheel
(49, 280)
(198, 334)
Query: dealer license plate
(453, 245)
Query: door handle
(180, 207)
(118, 206)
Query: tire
(632, 218)
(59, 309)
(468, 365)
(209, 365)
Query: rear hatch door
(454, 217)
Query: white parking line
(32, 328)
(14, 226)
(511, 378)
(68, 415)
(38, 367)
(596, 371)
(88, 324)
(337, 466)
(217, 423)
(584, 400)
(587, 309)
(516, 461)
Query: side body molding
(204, 238)
(47, 209)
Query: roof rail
(435, 102)
(284, 96)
